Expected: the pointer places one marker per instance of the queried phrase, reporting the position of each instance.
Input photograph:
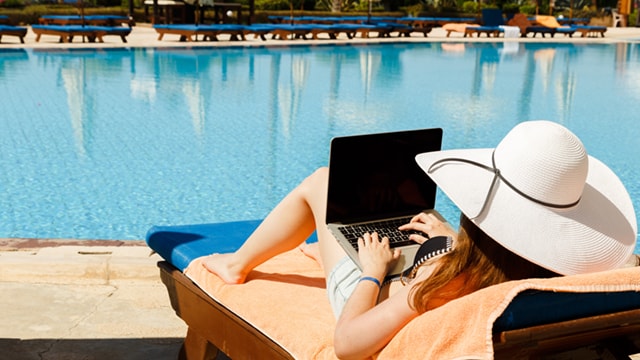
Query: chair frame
(213, 328)
(15, 31)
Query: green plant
(414, 10)
(528, 9)
(12, 3)
(272, 5)
(469, 7)
(510, 8)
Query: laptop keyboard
(388, 228)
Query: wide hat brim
(597, 234)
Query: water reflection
(203, 130)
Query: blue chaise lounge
(264, 317)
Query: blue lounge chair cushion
(12, 28)
(112, 30)
(589, 27)
(180, 245)
(533, 307)
(62, 28)
(201, 27)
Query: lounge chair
(584, 30)
(66, 33)
(17, 31)
(458, 27)
(264, 317)
(97, 20)
(527, 27)
(492, 20)
(190, 32)
(334, 30)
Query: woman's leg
(287, 226)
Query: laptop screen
(375, 176)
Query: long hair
(480, 261)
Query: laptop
(374, 181)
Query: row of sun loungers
(66, 27)
(494, 24)
(94, 20)
(304, 27)
(283, 31)
(10, 30)
(92, 33)
(95, 27)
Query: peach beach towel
(457, 27)
(285, 299)
(549, 21)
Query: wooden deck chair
(190, 32)
(16, 31)
(67, 33)
(584, 30)
(527, 27)
(492, 19)
(281, 312)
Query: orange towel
(457, 27)
(285, 299)
(548, 21)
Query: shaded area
(122, 349)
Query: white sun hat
(540, 195)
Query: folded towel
(286, 294)
(549, 21)
(510, 31)
(457, 27)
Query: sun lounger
(492, 19)
(264, 316)
(458, 27)
(66, 33)
(97, 20)
(17, 31)
(584, 30)
(284, 31)
(527, 27)
(334, 30)
(280, 31)
(190, 32)
(590, 30)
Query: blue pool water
(102, 144)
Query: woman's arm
(364, 328)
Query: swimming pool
(102, 144)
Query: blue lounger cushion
(181, 244)
(11, 28)
(62, 28)
(533, 307)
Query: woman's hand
(429, 225)
(376, 256)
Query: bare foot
(312, 250)
(222, 266)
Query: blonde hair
(480, 260)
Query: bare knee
(314, 187)
(318, 179)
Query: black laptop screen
(375, 176)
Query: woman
(535, 206)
